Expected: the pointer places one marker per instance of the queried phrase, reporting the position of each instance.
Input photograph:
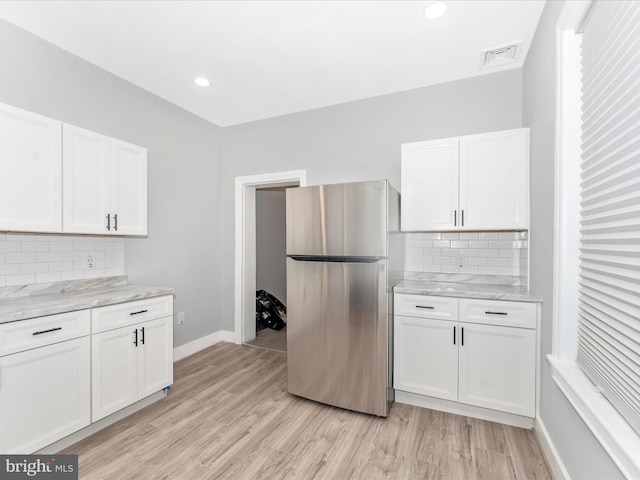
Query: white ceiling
(269, 58)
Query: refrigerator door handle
(314, 258)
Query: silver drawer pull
(424, 306)
(496, 313)
(138, 313)
(47, 331)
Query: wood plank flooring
(270, 339)
(229, 416)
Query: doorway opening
(245, 245)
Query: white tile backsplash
(476, 253)
(10, 246)
(42, 257)
(45, 258)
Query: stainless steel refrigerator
(344, 254)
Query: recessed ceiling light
(201, 82)
(435, 10)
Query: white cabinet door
(426, 357)
(155, 365)
(475, 182)
(105, 184)
(429, 179)
(498, 368)
(489, 361)
(30, 171)
(128, 188)
(114, 366)
(130, 363)
(86, 176)
(44, 395)
(494, 180)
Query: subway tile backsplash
(27, 258)
(475, 253)
(43, 258)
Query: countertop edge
(64, 303)
(476, 291)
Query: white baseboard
(462, 409)
(201, 343)
(558, 470)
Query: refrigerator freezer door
(337, 333)
(344, 220)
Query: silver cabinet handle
(108, 221)
(425, 307)
(138, 313)
(496, 313)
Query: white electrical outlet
(89, 261)
(181, 318)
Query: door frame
(245, 244)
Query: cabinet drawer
(426, 306)
(130, 313)
(38, 332)
(498, 312)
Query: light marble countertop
(60, 297)
(467, 290)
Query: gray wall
(271, 224)
(181, 250)
(359, 140)
(581, 453)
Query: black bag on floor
(270, 312)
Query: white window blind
(609, 304)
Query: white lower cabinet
(155, 357)
(133, 361)
(497, 368)
(114, 376)
(60, 373)
(44, 387)
(487, 364)
(426, 359)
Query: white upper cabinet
(129, 187)
(105, 184)
(494, 180)
(62, 178)
(30, 171)
(86, 178)
(475, 182)
(429, 184)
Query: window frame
(616, 436)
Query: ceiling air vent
(497, 56)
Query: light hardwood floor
(229, 416)
(270, 339)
